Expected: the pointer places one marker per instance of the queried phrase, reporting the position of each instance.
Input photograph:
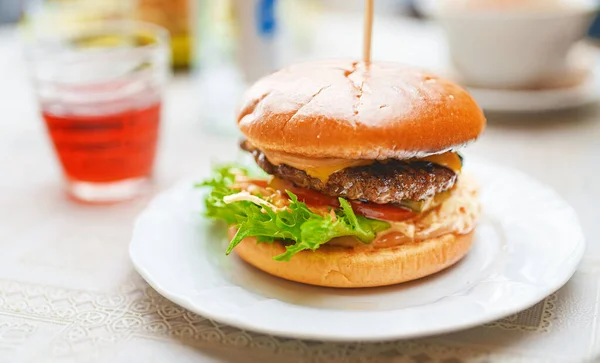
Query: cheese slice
(324, 173)
(316, 168)
(323, 168)
(449, 159)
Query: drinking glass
(100, 88)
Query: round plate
(497, 100)
(528, 244)
(585, 63)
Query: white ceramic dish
(513, 48)
(506, 100)
(585, 63)
(528, 245)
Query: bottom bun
(333, 266)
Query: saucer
(585, 89)
(507, 100)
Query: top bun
(344, 109)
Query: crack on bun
(306, 104)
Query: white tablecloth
(68, 292)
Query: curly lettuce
(296, 224)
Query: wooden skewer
(368, 33)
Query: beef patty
(391, 182)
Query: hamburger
(361, 181)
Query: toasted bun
(344, 267)
(342, 109)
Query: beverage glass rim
(34, 40)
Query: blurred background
(224, 45)
(83, 63)
(114, 99)
(81, 60)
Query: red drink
(106, 148)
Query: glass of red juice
(99, 87)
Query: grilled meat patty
(391, 182)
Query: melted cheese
(450, 160)
(322, 168)
(316, 168)
(324, 173)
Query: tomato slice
(263, 183)
(307, 196)
(384, 212)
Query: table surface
(68, 292)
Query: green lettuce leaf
(302, 228)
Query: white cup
(514, 48)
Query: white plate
(496, 100)
(528, 244)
